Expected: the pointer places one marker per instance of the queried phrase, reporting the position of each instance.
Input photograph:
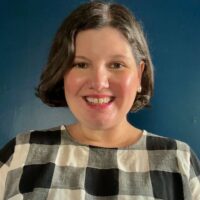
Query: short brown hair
(93, 15)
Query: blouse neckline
(131, 146)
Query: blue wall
(173, 30)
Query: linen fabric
(51, 165)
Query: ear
(141, 67)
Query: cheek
(72, 83)
(129, 85)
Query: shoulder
(157, 142)
(44, 136)
(175, 160)
(50, 136)
(174, 153)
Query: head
(93, 15)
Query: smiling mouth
(99, 101)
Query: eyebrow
(120, 56)
(112, 56)
(81, 57)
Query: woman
(99, 65)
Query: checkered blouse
(49, 164)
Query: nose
(99, 79)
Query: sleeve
(6, 155)
(194, 176)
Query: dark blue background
(173, 31)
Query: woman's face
(101, 86)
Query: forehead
(106, 40)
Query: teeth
(98, 100)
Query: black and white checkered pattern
(50, 165)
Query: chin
(99, 125)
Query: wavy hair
(93, 15)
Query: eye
(81, 65)
(117, 65)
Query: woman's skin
(101, 87)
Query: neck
(122, 135)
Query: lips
(99, 100)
